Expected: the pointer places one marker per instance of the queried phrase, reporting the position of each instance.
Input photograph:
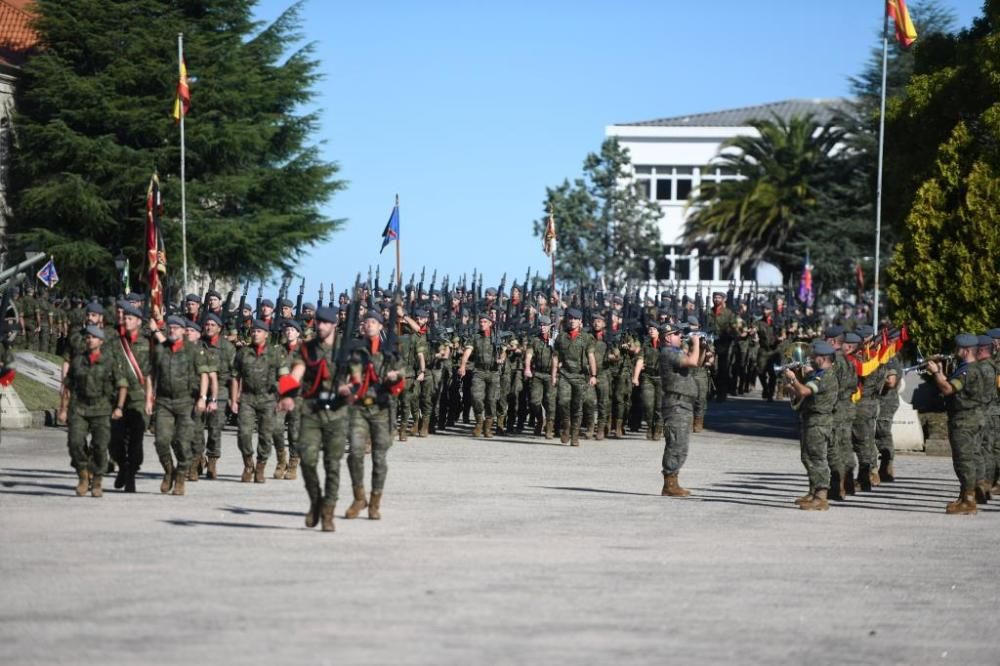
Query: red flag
(906, 33)
(156, 256)
(859, 276)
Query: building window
(684, 188)
(663, 189)
(673, 183)
(682, 269)
(748, 271)
(642, 188)
(663, 269)
(706, 269)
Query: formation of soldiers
(373, 365)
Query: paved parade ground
(513, 551)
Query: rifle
(319, 303)
(420, 285)
(730, 294)
(332, 296)
(369, 283)
(286, 282)
(345, 337)
(298, 300)
(228, 303)
(739, 296)
(434, 277)
(392, 279)
(700, 304)
(260, 297)
(378, 273)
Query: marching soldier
(132, 349)
(479, 351)
(223, 355)
(679, 394)
(253, 390)
(888, 403)
(325, 416)
(574, 367)
(600, 392)
(722, 322)
(181, 371)
(538, 374)
(288, 422)
(95, 392)
(375, 377)
(646, 375)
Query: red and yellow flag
(906, 34)
(182, 102)
(549, 238)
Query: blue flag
(48, 274)
(391, 232)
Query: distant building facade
(17, 41)
(671, 157)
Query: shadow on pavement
(597, 490)
(753, 417)
(243, 511)
(180, 522)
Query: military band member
(679, 392)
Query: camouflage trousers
(965, 436)
(621, 394)
(542, 395)
(569, 398)
(986, 460)
(840, 454)
(323, 431)
(883, 427)
(257, 413)
(207, 437)
(815, 442)
(92, 456)
(290, 424)
(677, 418)
(484, 389)
(369, 424)
(863, 432)
(597, 401)
(701, 402)
(173, 424)
(651, 399)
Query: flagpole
(184, 253)
(399, 269)
(881, 148)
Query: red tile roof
(17, 37)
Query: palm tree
(765, 215)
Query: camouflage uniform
(93, 381)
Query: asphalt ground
(510, 551)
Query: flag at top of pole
(549, 238)
(391, 231)
(48, 274)
(806, 294)
(182, 101)
(906, 33)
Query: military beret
(260, 324)
(966, 340)
(485, 314)
(192, 298)
(768, 306)
(574, 313)
(267, 303)
(421, 313)
(664, 294)
(285, 303)
(618, 299)
(852, 338)
(212, 292)
(95, 331)
(374, 314)
(94, 307)
(329, 315)
(291, 323)
(175, 320)
(134, 297)
(985, 341)
(822, 348)
(833, 331)
(308, 306)
(247, 307)
(670, 329)
(544, 320)
(597, 315)
(490, 291)
(214, 318)
(865, 331)
(193, 325)
(129, 309)
(994, 333)
(718, 293)
(692, 320)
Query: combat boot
(168, 476)
(213, 473)
(613, 430)
(874, 478)
(374, 504)
(818, 502)
(808, 497)
(550, 429)
(982, 492)
(425, 426)
(120, 477)
(599, 433)
(698, 424)
(95, 486)
(621, 429)
(885, 471)
(966, 504)
(564, 432)
(575, 436)
(192, 473)
(836, 487)
(327, 516)
(402, 433)
(478, 429)
(312, 515)
(650, 433)
(179, 480)
(259, 471)
(849, 488)
(539, 425)
(84, 483)
(488, 428)
(247, 475)
(865, 478)
(279, 469)
(292, 472)
(502, 424)
(658, 432)
(672, 488)
(358, 505)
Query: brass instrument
(796, 359)
(921, 364)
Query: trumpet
(922, 362)
(706, 337)
(794, 365)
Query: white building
(671, 157)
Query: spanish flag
(906, 34)
(182, 102)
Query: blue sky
(469, 110)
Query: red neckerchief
(573, 333)
(307, 322)
(769, 320)
(545, 338)
(615, 328)
(375, 343)
(423, 330)
(94, 357)
(268, 320)
(322, 374)
(600, 335)
(718, 308)
(260, 349)
(177, 346)
(213, 341)
(656, 343)
(133, 336)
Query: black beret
(573, 313)
(192, 298)
(328, 315)
(212, 292)
(374, 314)
(192, 325)
(833, 331)
(308, 306)
(285, 303)
(212, 317)
(95, 331)
(852, 338)
(261, 325)
(291, 323)
(174, 320)
(267, 303)
(129, 309)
